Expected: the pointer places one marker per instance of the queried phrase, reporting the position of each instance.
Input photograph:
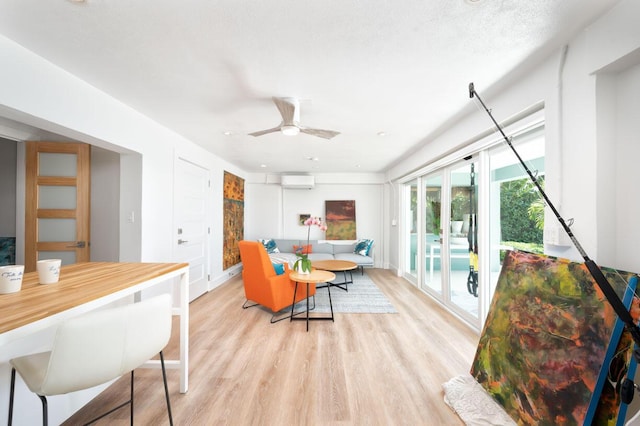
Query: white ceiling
(206, 67)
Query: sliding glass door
(462, 216)
(433, 232)
(516, 207)
(463, 239)
(411, 231)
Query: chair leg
(166, 388)
(45, 410)
(11, 392)
(245, 306)
(131, 399)
(274, 318)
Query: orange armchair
(261, 283)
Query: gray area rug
(363, 297)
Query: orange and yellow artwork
(340, 217)
(233, 219)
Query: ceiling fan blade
(288, 108)
(326, 134)
(264, 132)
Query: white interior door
(191, 229)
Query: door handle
(79, 244)
(182, 241)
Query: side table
(314, 277)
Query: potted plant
(302, 264)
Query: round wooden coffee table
(343, 266)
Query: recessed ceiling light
(313, 158)
(382, 133)
(472, 1)
(263, 165)
(228, 133)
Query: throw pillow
(362, 247)
(305, 249)
(279, 268)
(270, 246)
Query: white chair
(95, 348)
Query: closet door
(57, 202)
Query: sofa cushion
(343, 248)
(286, 245)
(303, 249)
(289, 258)
(320, 256)
(270, 245)
(279, 268)
(362, 247)
(356, 258)
(317, 247)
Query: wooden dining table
(83, 287)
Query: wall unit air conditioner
(297, 181)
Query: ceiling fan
(290, 111)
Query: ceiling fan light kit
(289, 130)
(290, 111)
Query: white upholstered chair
(95, 348)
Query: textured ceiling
(203, 68)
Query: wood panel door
(57, 202)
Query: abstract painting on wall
(545, 340)
(233, 194)
(341, 220)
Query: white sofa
(282, 250)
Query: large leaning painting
(233, 219)
(545, 340)
(340, 219)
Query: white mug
(48, 270)
(11, 278)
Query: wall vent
(297, 181)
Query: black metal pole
(594, 269)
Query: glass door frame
(411, 274)
(447, 249)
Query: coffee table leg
(330, 304)
(307, 307)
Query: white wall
(105, 205)
(580, 175)
(272, 211)
(46, 97)
(627, 181)
(8, 188)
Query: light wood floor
(363, 369)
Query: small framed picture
(302, 218)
